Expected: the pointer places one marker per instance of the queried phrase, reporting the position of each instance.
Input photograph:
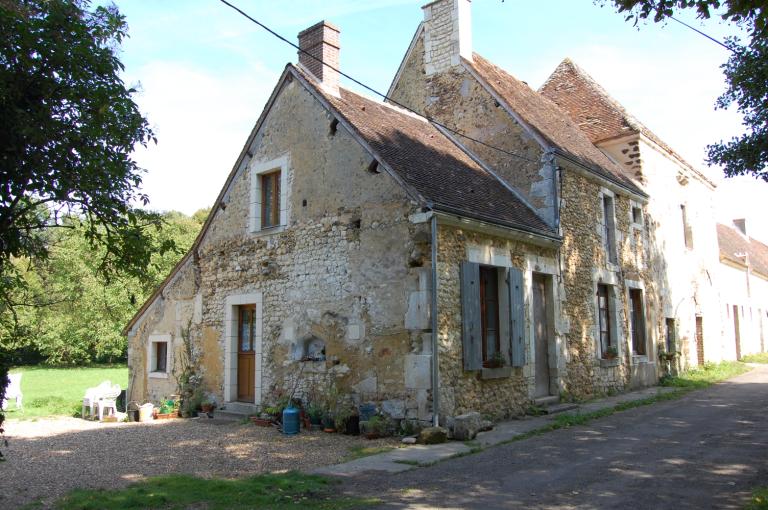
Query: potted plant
(207, 406)
(495, 361)
(611, 353)
(329, 422)
(315, 413)
(376, 428)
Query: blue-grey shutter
(516, 317)
(471, 328)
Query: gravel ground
(48, 458)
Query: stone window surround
(632, 223)
(605, 192)
(609, 278)
(152, 355)
(548, 266)
(230, 343)
(634, 228)
(495, 257)
(258, 168)
(643, 358)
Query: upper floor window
(270, 199)
(269, 195)
(687, 232)
(609, 228)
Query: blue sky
(205, 73)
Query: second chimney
(321, 44)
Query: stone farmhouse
(471, 244)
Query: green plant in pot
(329, 422)
(495, 361)
(315, 413)
(611, 353)
(377, 427)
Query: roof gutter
(458, 218)
(612, 184)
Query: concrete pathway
(404, 459)
(708, 449)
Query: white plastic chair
(108, 400)
(13, 391)
(92, 396)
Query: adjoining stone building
(469, 236)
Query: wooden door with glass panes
(246, 358)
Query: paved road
(706, 450)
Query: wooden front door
(541, 330)
(246, 359)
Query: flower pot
(352, 426)
(261, 422)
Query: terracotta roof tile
(549, 120)
(432, 164)
(734, 245)
(599, 115)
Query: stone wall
(348, 270)
(463, 391)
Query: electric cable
(371, 89)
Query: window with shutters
(492, 316)
(637, 322)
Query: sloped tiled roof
(734, 245)
(431, 164)
(599, 115)
(552, 123)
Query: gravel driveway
(47, 458)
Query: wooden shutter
(516, 317)
(471, 327)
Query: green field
(59, 391)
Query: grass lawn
(275, 491)
(759, 499)
(59, 391)
(761, 357)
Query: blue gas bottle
(290, 420)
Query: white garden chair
(13, 391)
(92, 396)
(108, 400)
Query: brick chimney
(321, 41)
(447, 34)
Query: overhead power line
(701, 33)
(371, 89)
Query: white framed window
(607, 328)
(159, 356)
(608, 225)
(269, 195)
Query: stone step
(237, 408)
(547, 401)
(560, 408)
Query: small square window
(637, 215)
(159, 356)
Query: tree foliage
(746, 73)
(73, 315)
(69, 128)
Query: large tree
(69, 126)
(746, 73)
